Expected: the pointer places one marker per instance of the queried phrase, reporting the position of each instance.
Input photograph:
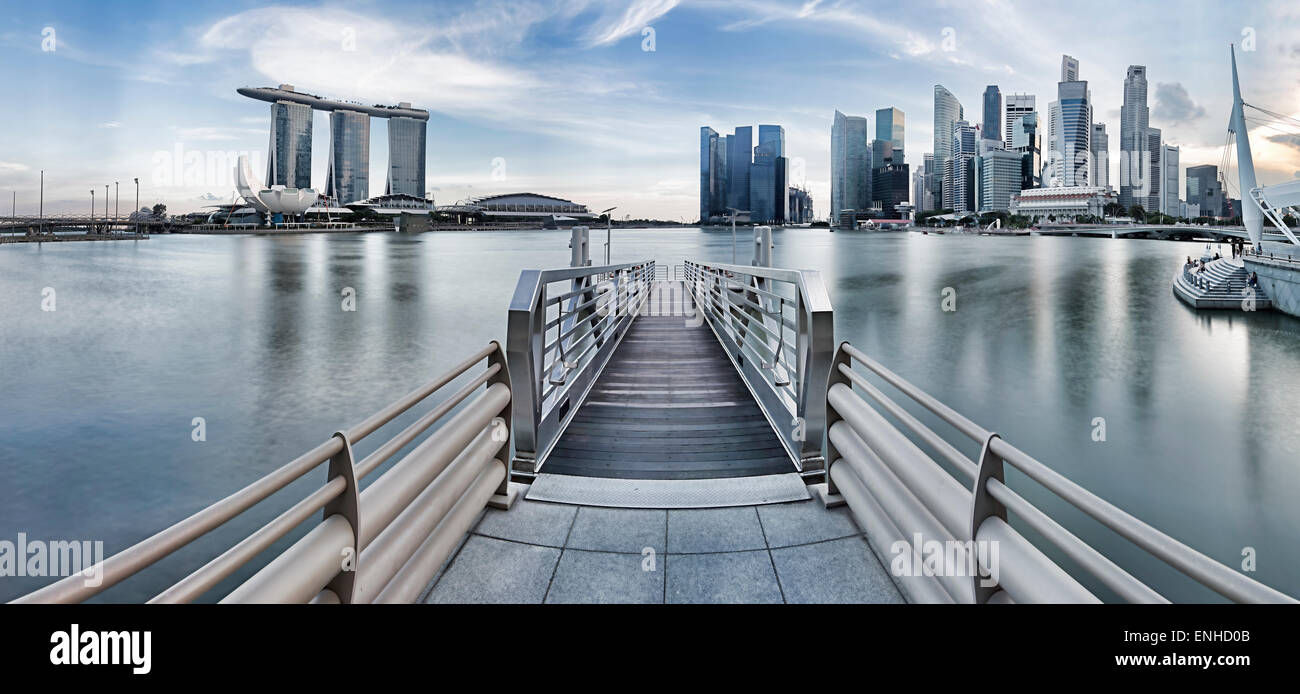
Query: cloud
(110, 124)
(1174, 105)
(455, 67)
(7, 166)
(637, 16)
(1288, 139)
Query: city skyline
(619, 130)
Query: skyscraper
(947, 111)
(1134, 159)
(348, 167)
(1100, 175)
(1017, 106)
(739, 155)
(999, 177)
(889, 128)
(708, 181)
(959, 173)
(289, 162)
(850, 165)
(1069, 69)
(1169, 180)
(348, 174)
(1027, 141)
(762, 184)
(992, 123)
(1153, 201)
(768, 187)
(1072, 133)
(406, 155)
(1205, 190)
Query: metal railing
(777, 327)
(897, 492)
(558, 340)
(380, 544)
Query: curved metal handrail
(896, 489)
(399, 530)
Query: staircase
(1221, 286)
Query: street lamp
(106, 227)
(117, 200)
(90, 228)
(137, 206)
(608, 225)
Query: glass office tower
(1075, 152)
(708, 182)
(406, 150)
(762, 184)
(348, 179)
(739, 155)
(850, 165)
(289, 160)
(947, 111)
(889, 127)
(992, 123)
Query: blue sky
(561, 97)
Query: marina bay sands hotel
(348, 180)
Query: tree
(1113, 209)
(1137, 213)
(159, 210)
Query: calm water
(97, 397)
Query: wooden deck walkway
(669, 405)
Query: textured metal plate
(706, 493)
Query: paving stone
(619, 530)
(534, 522)
(801, 522)
(729, 577)
(838, 571)
(606, 578)
(714, 530)
(488, 570)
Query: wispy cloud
(637, 16)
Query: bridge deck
(669, 405)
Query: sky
(598, 102)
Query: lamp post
(106, 227)
(117, 202)
(90, 228)
(608, 226)
(41, 213)
(137, 206)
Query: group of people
(1238, 247)
(1198, 264)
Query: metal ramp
(627, 375)
(669, 406)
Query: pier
(666, 434)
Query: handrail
(558, 340)
(777, 327)
(897, 491)
(462, 462)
